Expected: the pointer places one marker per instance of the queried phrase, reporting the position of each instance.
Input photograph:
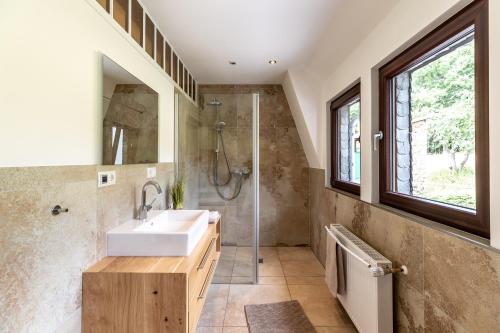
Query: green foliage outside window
(443, 93)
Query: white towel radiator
(368, 294)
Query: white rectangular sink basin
(165, 233)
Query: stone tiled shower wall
(42, 256)
(284, 213)
(452, 285)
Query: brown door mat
(282, 317)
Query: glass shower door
(228, 177)
(256, 179)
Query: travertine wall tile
(322, 212)
(452, 286)
(398, 240)
(42, 256)
(284, 173)
(436, 321)
(12, 179)
(409, 308)
(345, 213)
(463, 281)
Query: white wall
(408, 21)
(51, 77)
(302, 97)
(494, 121)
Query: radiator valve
(381, 271)
(403, 269)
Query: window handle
(357, 144)
(377, 137)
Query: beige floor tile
(221, 280)
(242, 280)
(225, 267)
(201, 329)
(215, 306)
(243, 267)
(244, 252)
(268, 252)
(266, 280)
(243, 329)
(240, 295)
(228, 252)
(243, 263)
(332, 329)
(271, 267)
(273, 280)
(296, 253)
(264, 252)
(316, 280)
(321, 308)
(302, 268)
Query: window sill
(453, 232)
(349, 194)
(457, 233)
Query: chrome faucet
(145, 208)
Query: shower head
(214, 102)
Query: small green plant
(178, 194)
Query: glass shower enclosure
(227, 143)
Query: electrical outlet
(151, 172)
(106, 178)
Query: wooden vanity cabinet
(150, 294)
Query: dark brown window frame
(345, 98)
(474, 222)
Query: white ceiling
(208, 34)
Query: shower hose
(218, 184)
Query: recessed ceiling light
(232, 63)
(273, 62)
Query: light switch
(106, 178)
(151, 172)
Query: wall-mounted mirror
(130, 117)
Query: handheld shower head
(219, 126)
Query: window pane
(348, 142)
(433, 122)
